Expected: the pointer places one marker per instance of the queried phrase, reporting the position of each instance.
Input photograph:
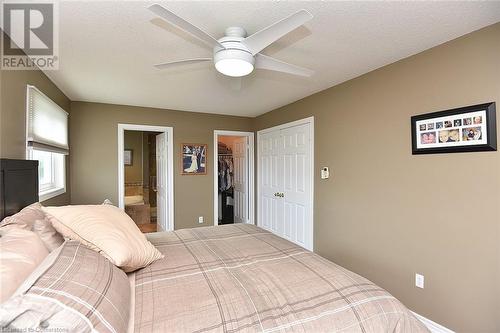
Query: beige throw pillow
(21, 251)
(107, 230)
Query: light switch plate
(200, 219)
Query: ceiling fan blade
(263, 38)
(184, 25)
(166, 65)
(273, 64)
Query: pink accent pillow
(26, 217)
(49, 236)
(21, 251)
(33, 218)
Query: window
(47, 142)
(51, 173)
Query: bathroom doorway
(145, 174)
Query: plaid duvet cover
(240, 278)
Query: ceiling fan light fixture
(234, 63)
(235, 54)
(234, 67)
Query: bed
(231, 278)
(240, 278)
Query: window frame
(58, 176)
(58, 167)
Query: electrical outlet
(200, 219)
(325, 173)
(419, 280)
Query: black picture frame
(489, 124)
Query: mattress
(240, 278)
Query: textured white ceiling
(107, 49)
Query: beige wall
(13, 116)
(387, 214)
(94, 154)
(133, 140)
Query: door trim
(309, 120)
(169, 132)
(251, 173)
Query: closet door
(285, 183)
(240, 179)
(271, 181)
(296, 184)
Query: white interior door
(240, 180)
(161, 181)
(271, 181)
(285, 185)
(296, 184)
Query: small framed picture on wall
(467, 129)
(128, 155)
(193, 159)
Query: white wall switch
(200, 219)
(419, 280)
(325, 173)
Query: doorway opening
(233, 177)
(145, 176)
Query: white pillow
(107, 230)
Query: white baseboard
(432, 326)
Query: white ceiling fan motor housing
(235, 59)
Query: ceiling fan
(235, 54)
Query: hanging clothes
(226, 175)
(226, 181)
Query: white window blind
(47, 123)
